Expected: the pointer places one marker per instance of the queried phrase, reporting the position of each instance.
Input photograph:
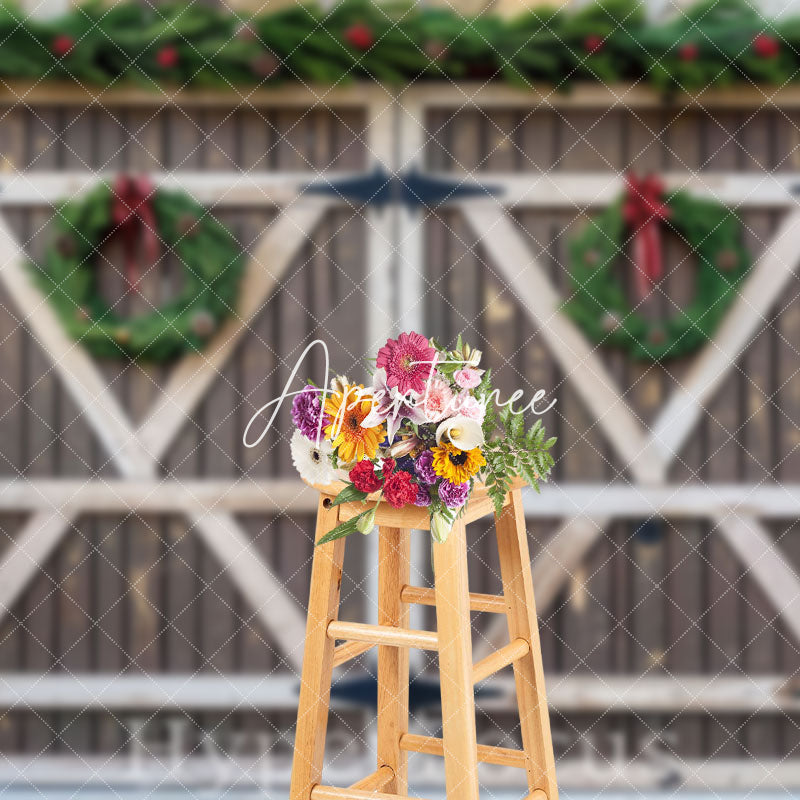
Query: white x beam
(136, 453)
(647, 455)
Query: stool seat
(451, 641)
(479, 505)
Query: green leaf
(345, 529)
(348, 495)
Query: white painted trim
(245, 568)
(764, 563)
(24, 556)
(69, 496)
(61, 776)
(257, 189)
(80, 375)
(682, 411)
(556, 563)
(136, 454)
(749, 312)
(595, 693)
(555, 190)
(580, 500)
(163, 691)
(576, 191)
(193, 375)
(577, 358)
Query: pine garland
(212, 264)
(599, 302)
(718, 42)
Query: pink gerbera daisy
(408, 361)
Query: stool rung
(537, 794)
(491, 603)
(375, 781)
(332, 793)
(383, 634)
(433, 746)
(506, 655)
(349, 650)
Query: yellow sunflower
(456, 466)
(346, 410)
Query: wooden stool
(458, 674)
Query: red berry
(62, 44)
(766, 46)
(168, 57)
(360, 36)
(688, 52)
(265, 65)
(435, 50)
(593, 43)
(246, 33)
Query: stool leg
(515, 568)
(315, 684)
(455, 666)
(394, 552)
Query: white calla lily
(462, 432)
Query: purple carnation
(306, 412)
(423, 496)
(423, 466)
(454, 495)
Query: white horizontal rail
(572, 190)
(291, 495)
(116, 692)
(65, 776)
(578, 190)
(592, 95)
(595, 693)
(238, 189)
(424, 94)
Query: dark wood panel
(144, 593)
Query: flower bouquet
(422, 434)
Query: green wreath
(212, 268)
(599, 303)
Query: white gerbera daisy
(312, 462)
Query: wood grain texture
(434, 746)
(386, 635)
(512, 542)
(315, 682)
(455, 665)
(394, 566)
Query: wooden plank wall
(159, 598)
(677, 602)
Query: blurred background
(155, 571)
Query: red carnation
(593, 43)
(688, 52)
(364, 478)
(766, 46)
(399, 490)
(168, 57)
(359, 36)
(62, 44)
(388, 467)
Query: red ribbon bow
(132, 213)
(642, 210)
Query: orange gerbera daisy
(347, 410)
